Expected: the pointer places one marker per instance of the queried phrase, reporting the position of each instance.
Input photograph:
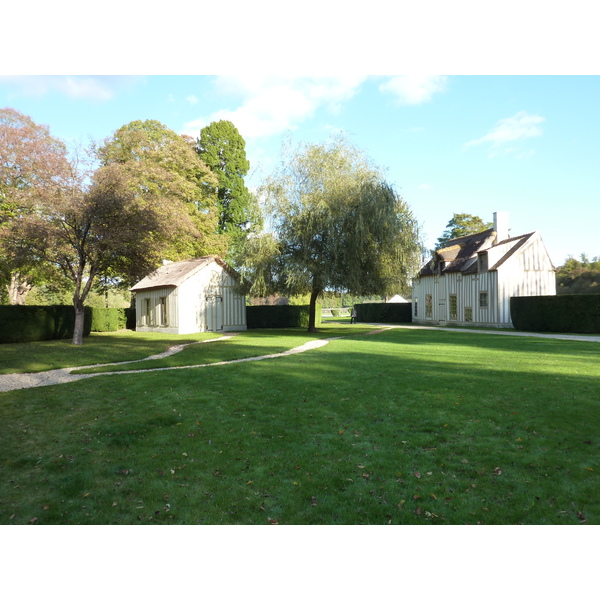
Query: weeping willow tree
(336, 225)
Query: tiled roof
(174, 274)
(460, 254)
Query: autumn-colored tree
(121, 219)
(184, 175)
(34, 169)
(337, 225)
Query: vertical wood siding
(188, 305)
(528, 273)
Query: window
(428, 306)
(163, 311)
(483, 299)
(148, 312)
(416, 307)
(468, 313)
(453, 309)
(482, 262)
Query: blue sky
(527, 145)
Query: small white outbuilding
(190, 296)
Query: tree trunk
(312, 311)
(79, 323)
(18, 289)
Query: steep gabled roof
(174, 274)
(460, 255)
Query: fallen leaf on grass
(417, 475)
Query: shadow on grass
(386, 430)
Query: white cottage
(189, 297)
(471, 279)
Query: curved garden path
(16, 381)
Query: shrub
(382, 312)
(259, 317)
(38, 323)
(108, 319)
(561, 314)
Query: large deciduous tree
(337, 225)
(185, 178)
(223, 149)
(148, 200)
(34, 168)
(461, 224)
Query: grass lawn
(402, 427)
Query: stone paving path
(16, 381)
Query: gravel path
(17, 381)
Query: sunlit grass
(402, 427)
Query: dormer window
(441, 266)
(482, 262)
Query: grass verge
(402, 427)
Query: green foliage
(161, 162)
(108, 319)
(558, 314)
(462, 224)
(37, 323)
(579, 276)
(278, 316)
(223, 149)
(392, 312)
(338, 226)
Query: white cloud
(271, 105)
(425, 186)
(192, 99)
(414, 89)
(518, 127)
(97, 88)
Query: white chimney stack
(501, 226)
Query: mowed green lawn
(401, 427)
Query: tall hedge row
(278, 316)
(558, 314)
(38, 323)
(383, 312)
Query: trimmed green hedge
(108, 319)
(278, 316)
(383, 312)
(559, 314)
(38, 323)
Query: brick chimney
(501, 226)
